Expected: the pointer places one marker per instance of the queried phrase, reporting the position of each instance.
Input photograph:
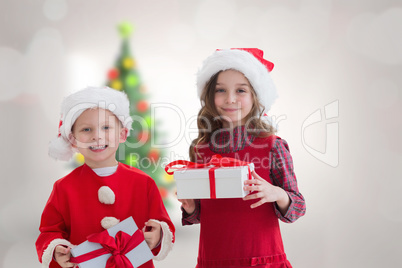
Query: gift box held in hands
(122, 246)
(222, 177)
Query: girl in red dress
(236, 91)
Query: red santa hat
(75, 104)
(248, 61)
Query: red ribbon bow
(118, 247)
(216, 161)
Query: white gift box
(138, 256)
(193, 183)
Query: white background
(342, 51)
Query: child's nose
(98, 135)
(95, 137)
(231, 98)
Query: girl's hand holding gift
(266, 192)
(188, 205)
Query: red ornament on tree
(113, 74)
(153, 155)
(163, 192)
(143, 136)
(142, 106)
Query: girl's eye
(241, 90)
(86, 129)
(219, 90)
(106, 127)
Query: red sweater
(74, 211)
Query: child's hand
(266, 192)
(153, 236)
(62, 256)
(188, 205)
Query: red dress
(73, 210)
(235, 235)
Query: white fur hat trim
(75, 104)
(108, 222)
(244, 62)
(106, 195)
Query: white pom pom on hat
(248, 61)
(75, 104)
(60, 149)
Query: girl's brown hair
(209, 120)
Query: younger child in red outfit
(102, 192)
(236, 90)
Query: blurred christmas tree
(137, 151)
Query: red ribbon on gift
(216, 161)
(118, 247)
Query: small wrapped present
(222, 177)
(122, 246)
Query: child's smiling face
(233, 98)
(96, 134)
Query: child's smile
(230, 110)
(98, 148)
